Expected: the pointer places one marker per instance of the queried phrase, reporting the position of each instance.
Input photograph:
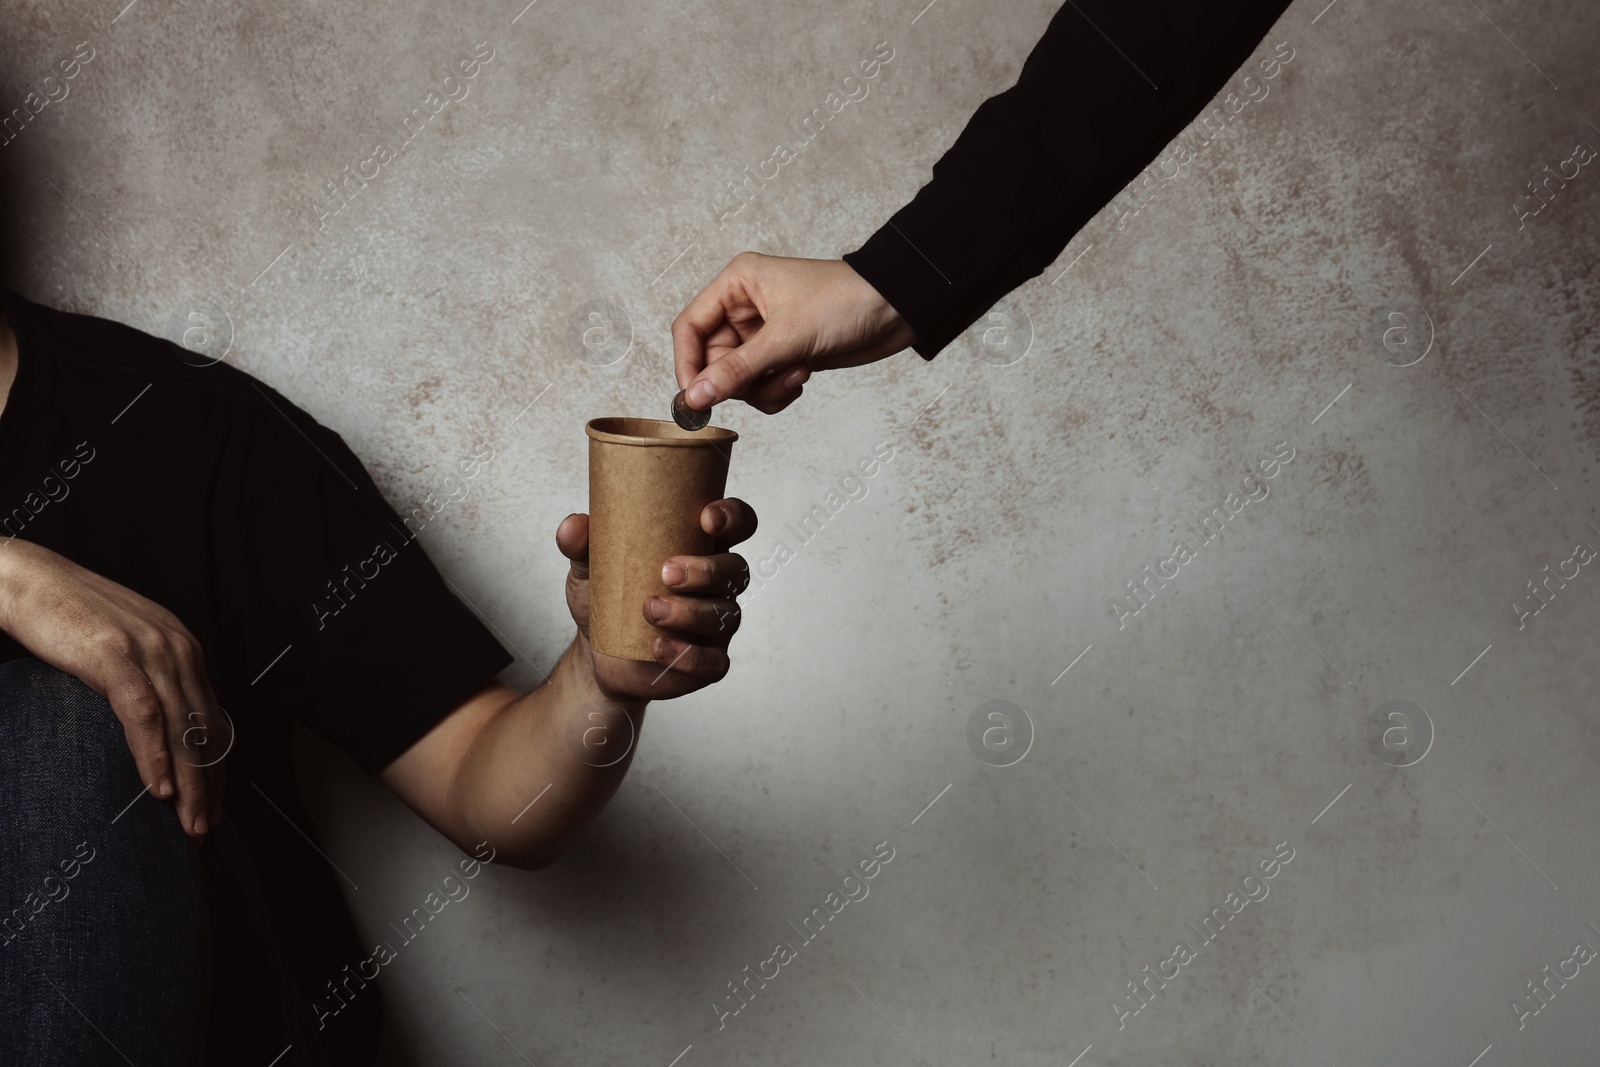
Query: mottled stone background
(1171, 350)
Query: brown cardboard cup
(648, 482)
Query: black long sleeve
(1037, 161)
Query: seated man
(181, 539)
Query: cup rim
(625, 430)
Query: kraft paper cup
(648, 482)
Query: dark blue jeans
(103, 932)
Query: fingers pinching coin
(687, 417)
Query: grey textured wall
(1227, 305)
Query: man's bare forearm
(524, 772)
(531, 770)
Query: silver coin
(687, 417)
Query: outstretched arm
(526, 771)
(1107, 86)
(1105, 89)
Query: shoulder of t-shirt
(102, 348)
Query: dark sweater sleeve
(1109, 84)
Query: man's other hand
(758, 331)
(137, 655)
(701, 612)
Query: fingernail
(702, 394)
(797, 377)
(719, 520)
(199, 824)
(164, 787)
(673, 575)
(657, 608)
(661, 649)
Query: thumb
(572, 538)
(731, 374)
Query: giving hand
(758, 331)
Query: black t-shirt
(210, 494)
